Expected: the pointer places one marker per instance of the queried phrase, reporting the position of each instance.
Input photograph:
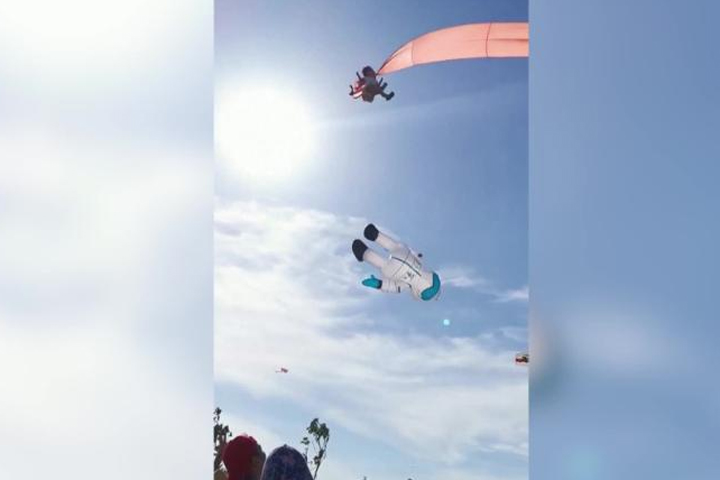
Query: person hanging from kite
(368, 86)
(474, 40)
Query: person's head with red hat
(244, 458)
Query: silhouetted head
(244, 458)
(286, 463)
(369, 71)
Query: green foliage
(221, 433)
(318, 438)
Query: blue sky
(624, 235)
(443, 166)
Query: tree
(221, 433)
(319, 436)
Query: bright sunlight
(263, 134)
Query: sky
(623, 239)
(443, 167)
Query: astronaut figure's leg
(373, 234)
(364, 254)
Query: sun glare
(264, 134)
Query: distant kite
(282, 370)
(522, 358)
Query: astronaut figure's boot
(359, 249)
(364, 254)
(371, 232)
(374, 235)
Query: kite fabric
(477, 40)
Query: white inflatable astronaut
(400, 271)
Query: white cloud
(516, 334)
(516, 295)
(462, 277)
(66, 46)
(465, 277)
(287, 294)
(72, 234)
(79, 401)
(85, 254)
(105, 263)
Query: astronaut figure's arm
(384, 285)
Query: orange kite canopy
(476, 40)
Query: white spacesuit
(400, 271)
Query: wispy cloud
(465, 277)
(93, 276)
(462, 277)
(514, 295)
(287, 294)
